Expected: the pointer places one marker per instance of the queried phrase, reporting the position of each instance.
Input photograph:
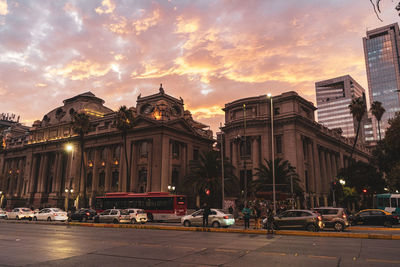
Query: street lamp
(342, 182)
(222, 166)
(273, 152)
(68, 191)
(171, 188)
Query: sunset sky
(207, 52)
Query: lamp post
(273, 152)
(68, 191)
(245, 155)
(222, 167)
(171, 188)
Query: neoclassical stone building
(316, 151)
(36, 168)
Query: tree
(81, 125)
(124, 121)
(377, 9)
(357, 109)
(284, 172)
(205, 173)
(378, 111)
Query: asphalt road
(48, 245)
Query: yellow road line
(322, 257)
(383, 261)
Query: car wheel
(34, 218)
(69, 219)
(115, 221)
(387, 224)
(186, 223)
(311, 228)
(49, 219)
(133, 221)
(339, 227)
(216, 224)
(150, 217)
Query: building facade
(36, 169)
(382, 59)
(333, 99)
(316, 151)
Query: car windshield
(26, 210)
(140, 211)
(56, 210)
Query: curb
(373, 228)
(241, 231)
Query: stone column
(255, 156)
(108, 160)
(329, 169)
(149, 164)
(317, 171)
(56, 172)
(183, 167)
(324, 175)
(96, 167)
(32, 175)
(334, 166)
(341, 166)
(171, 157)
(122, 171)
(14, 177)
(43, 175)
(165, 158)
(134, 168)
(311, 178)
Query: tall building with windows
(381, 50)
(333, 99)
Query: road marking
(322, 257)
(226, 250)
(383, 261)
(274, 253)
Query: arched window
(102, 180)
(89, 180)
(114, 180)
(143, 149)
(142, 180)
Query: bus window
(386, 202)
(393, 202)
(380, 202)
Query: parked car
(304, 219)
(20, 213)
(137, 215)
(374, 217)
(113, 216)
(217, 218)
(3, 214)
(50, 214)
(82, 215)
(334, 217)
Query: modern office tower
(333, 99)
(381, 50)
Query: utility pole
(245, 155)
(222, 166)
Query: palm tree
(357, 109)
(377, 110)
(124, 122)
(284, 172)
(81, 125)
(205, 173)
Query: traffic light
(207, 191)
(364, 191)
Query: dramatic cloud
(207, 52)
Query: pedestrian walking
(246, 216)
(206, 213)
(270, 222)
(257, 217)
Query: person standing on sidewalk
(257, 216)
(206, 213)
(246, 216)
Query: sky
(208, 52)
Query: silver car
(3, 214)
(217, 218)
(137, 215)
(50, 214)
(113, 216)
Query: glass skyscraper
(333, 99)
(381, 50)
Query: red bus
(159, 206)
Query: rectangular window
(195, 154)
(175, 149)
(245, 150)
(278, 144)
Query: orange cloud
(80, 70)
(3, 7)
(40, 85)
(107, 6)
(145, 23)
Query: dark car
(82, 215)
(374, 217)
(304, 219)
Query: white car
(3, 214)
(217, 218)
(20, 213)
(137, 215)
(50, 214)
